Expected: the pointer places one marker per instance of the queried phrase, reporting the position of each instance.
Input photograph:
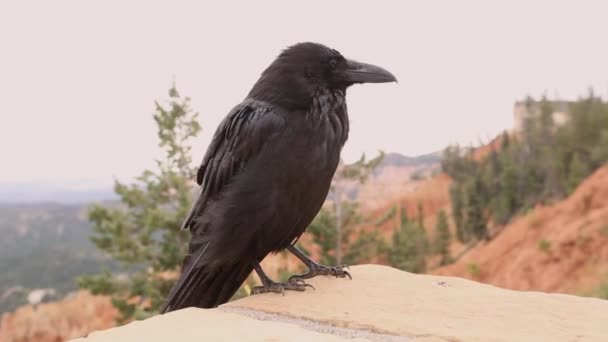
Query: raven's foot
(317, 270)
(270, 286)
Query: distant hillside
(395, 176)
(396, 159)
(72, 192)
(561, 247)
(83, 191)
(43, 246)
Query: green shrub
(544, 246)
(474, 269)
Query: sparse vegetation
(535, 220)
(387, 216)
(408, 246)
(542, 164)
(420, 222)
(442, 238)
(544, 246)
(582, 239)
(333, 227)
(602, 291)
(474, 269)
(604, 230)
(361, 245)
(144, 234)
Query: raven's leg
(270, 286)
(315, 269)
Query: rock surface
(382, 304)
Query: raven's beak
(357, 72)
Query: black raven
(266, 174)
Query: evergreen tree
(506, 198)
(364, 247)
(576, 172)
(505, 141)
(599, 152)
(442, 238)
(333, 226)
(420, 215)
(143, 233)
(420, 223)
(457, 200)
(542, 163)
(388, 215)
(324, 234)
(403, 219)
(406, 251)
(475, 220)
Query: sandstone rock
(382, 303)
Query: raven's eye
(333, 63)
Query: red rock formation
(72, 317)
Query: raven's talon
(298, 285)
(298, 282)
(308, 285)
(339, 271)
(292, 285)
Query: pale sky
(78, 78)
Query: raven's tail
(206, 287)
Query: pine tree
(406, 251)
(576, 172)
(505, 141)
(365, 246)
(388, 215)
(420, 215)
(506, 201)
(345, 219)
(143, 232)
(456, 197)
(324, 234)
(420, 223)
(442, 238)
(475, 220)
(541, 163)
(403, 218)
(599, 152)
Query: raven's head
(303, 69)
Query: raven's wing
(238, 138)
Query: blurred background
(486, 161)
